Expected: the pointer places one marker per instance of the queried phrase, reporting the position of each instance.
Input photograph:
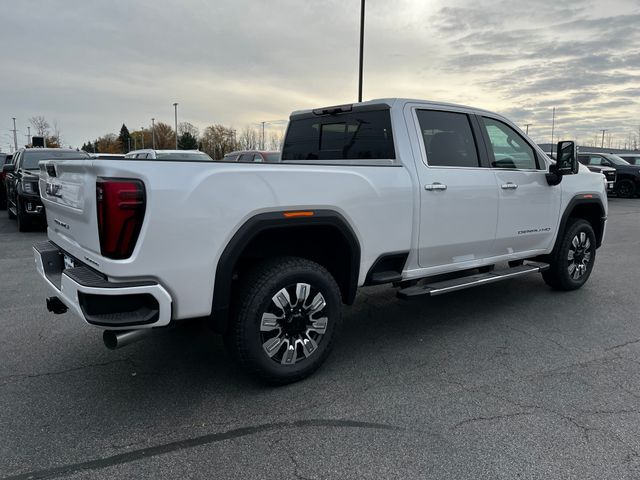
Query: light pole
(153, 132)
(527, 125)
(553, 126)
(29, 133)
(15, 135)
(262, 146)
(175, 109)
(361, 50)
(601, 143)
(142, 130)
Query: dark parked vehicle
(632, 158)
(252, 156)
(5, 158)
(21, 182)
(628, 176)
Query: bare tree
(40, 125)
(165, 137)
(275, 141)
(218, 140)
(249, 139)
(186, 127)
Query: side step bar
(447, 286)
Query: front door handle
(435, 186)
(509, 186)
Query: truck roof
(389, 102)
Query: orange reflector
(587, 196)
(298, 214)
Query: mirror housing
(9, 168)
(567, 158)
(566, 163)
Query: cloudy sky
(92, 65)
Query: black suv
(21, 183)
(628, 176)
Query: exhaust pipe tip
(55, 305)
(115, 339)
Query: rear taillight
(121, 206)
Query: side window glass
(510, 150)
(595, 160)
(141, 155)
(258, 158)
(246, 157)
(448, 139)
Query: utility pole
(527, 125)
(153, 132)
(553, 126)
(129, 142)
(175, 109)
(361, 49)
(29, 133)
(135, 142)
(15, 135)
(602, 142)
(142, 129)
(263, 135)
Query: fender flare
(269, 221)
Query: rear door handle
(435, 186)
(509, 186)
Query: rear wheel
(572, 262)
(289, 312)
(626, 189)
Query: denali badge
(61, 223)
(53, 189)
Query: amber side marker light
(298, 214)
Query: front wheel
(288, 315)
(572, 261)
(626, 189)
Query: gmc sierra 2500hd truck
(391, 191)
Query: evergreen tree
(124, 138)
(87, 147)
(187, 141)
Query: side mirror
(567, 158)
(9, 168)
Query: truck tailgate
(68, 191)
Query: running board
(447, 286)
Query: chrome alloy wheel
(579, 255)
(291, 330)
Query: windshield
(32, 157)
(616, 160)
(183, 156)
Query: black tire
(248, 341)
(626, 188)
(24, 224)
(560, 275)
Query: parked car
(252, 156)
(5, 158)
(627, 176)
(609, 173)
(173, 155)
(107, 156)
(633, 159)
(389, 191)
(21, 182)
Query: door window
(448, 139)
(509, 149)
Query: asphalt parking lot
(499, 382)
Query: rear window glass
(31, 158)
(348, 136)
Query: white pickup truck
(391, 191)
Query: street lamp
(361, 49)
(153, 132)
(142, 129)
(175, 108)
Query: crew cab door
(458, 192)
(529, 206)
